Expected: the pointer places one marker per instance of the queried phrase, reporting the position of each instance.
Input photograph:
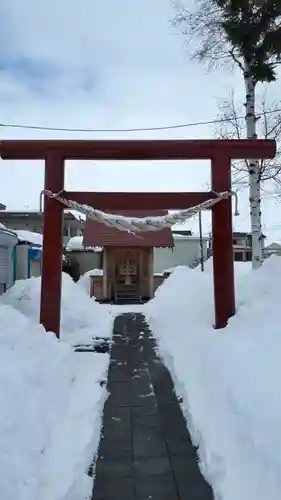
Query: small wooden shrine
(127, 259)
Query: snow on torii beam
(220, 152)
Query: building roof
(8, 238)
(239, 234)
(29, 237)
(186, 237)
(186, 232)
(4, 229)
(273, 246)
(36, 214)
(100, 235)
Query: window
(238, 256)
(248, 256)
(241, 241)
(65, 231)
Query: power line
(145, 129)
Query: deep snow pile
(85, 281)
(240, 267)
(81, 317)
(51, 403)
(229, 379)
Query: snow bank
(85, 281)
(240, 267)
(51, 403)
(229, 379)
(81, 317)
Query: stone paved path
(145, 450)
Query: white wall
(8, 241)
(87, 260)
(10, 268)
(6, 278)
(185, 252)
(35, 268)
(22, 262)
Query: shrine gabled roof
(98, 234)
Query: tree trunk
(254, 171)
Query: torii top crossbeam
(137, 149)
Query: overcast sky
(107, 64)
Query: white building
(186, 252)
(272, 249)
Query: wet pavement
(145, 450)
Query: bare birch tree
(268, 124)
(245, 33)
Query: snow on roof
(35, 211)
(6, 230)
(177, 236)
(273, 246)
(20, 210)
(76, 244)
(30, 237)
(80, 217)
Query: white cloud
(101, 64)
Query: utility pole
(41, 201)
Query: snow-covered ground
(81, 316)
(51, 399)
(85, 281)
(229, 379)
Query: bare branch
(206, 40)
(236, 59)
(220, 32)
(269, 127)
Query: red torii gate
(55, 152)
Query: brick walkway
(145, 450)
